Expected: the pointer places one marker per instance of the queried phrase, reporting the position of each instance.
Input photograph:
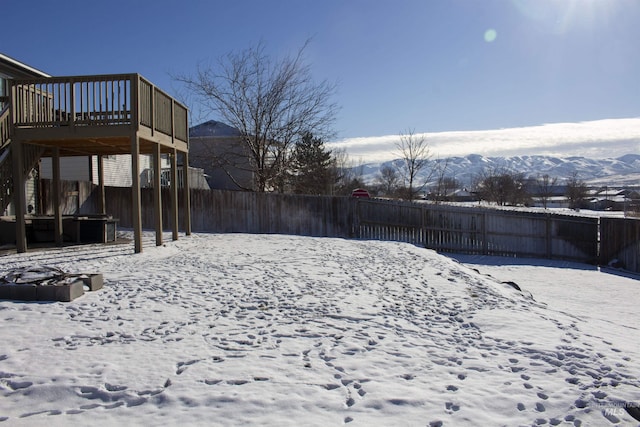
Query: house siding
(220, 158)
(117, 169)
(71, 168)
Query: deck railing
(104, 100)
(161, 112)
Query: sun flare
(561, 16)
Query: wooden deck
(97, 115)
(93, 115)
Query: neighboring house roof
(16, 69)
(212, 128)
(218, 149)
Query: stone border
(65, 292)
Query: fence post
(548, 240)
(355, 227)
(423, 232)
(485, 242)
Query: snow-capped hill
(632, 159)
(624, 170)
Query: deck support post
(20, 197)
(102, 205)
(186, 194)
(136, 198)
(57, 209)
(157, 192)
(174, 194)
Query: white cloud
(596, 139)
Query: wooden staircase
(5, 127)
(32, 154)
(6, 180)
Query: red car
(360, 192)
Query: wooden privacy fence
(621, 240)
(217, 211)
(479, 231)
(472, 230)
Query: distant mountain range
(618, 172)
(622, 171)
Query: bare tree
(576, 191)
(388, 179)
(444, 184)
(270, 101)
(545, 185)
(414, 154)
(503, 187)
(346, 172)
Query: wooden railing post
(72, 98)
(157, 192)
(57, 209)
(136, 220)
(174, 193)
(152, 108)
(19, 196)
(102, 208)
(135, 164)
(135, 101)
(187, 195)
(173, 126)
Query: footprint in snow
(452, 406)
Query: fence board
(621, 241)
(78, 197)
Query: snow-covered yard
(234, 329)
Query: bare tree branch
(270, 101)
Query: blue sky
(426, 65)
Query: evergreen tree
(311, 166)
